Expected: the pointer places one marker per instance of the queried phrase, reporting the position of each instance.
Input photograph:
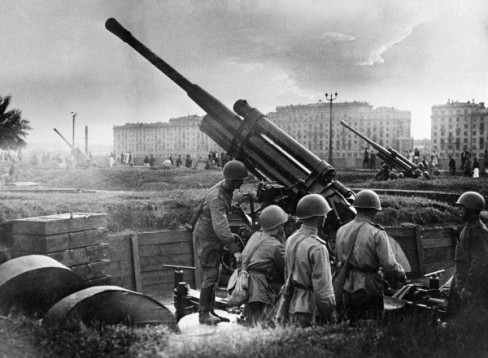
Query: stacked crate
(77, 240)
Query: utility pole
(73, 114)
(331, 99)
(86, 140)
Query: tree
(13, 129)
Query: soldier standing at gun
(363, 287)
(266, 264)
(212, 229)
(307, 260)
(470, 282)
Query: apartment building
(458, 125)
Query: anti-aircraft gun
(287, 170)
(81, 159)
(389, 156)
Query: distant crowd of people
(471, 166)
(128, 158)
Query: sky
(57, 58)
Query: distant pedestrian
(188, 161)
(146, 161)
(410, 155)
(464, 156)
(366, 158)
(476, 168)
(435, 158)
(485, 162)
(152, 161)
(452, 166)
(372, 160)
(416, 156)
(131, 159)
(425, 164)
(467, 167)
(179, 162)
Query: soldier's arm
(479, 261)
(386, 257)
(221, 225)
(322, 282)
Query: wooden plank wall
(144, 271)
(164, 247)
(121, 267)
(427, 249)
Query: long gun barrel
(266, 150)
(389, 156)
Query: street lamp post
(331, 99)
(74, 116)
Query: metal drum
(102, 305)
(30, 285)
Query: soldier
(363, 287)
(307, 259)
(471, 278)
(266, 264)
(212, 229)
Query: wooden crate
(58, 224)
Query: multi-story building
(309, 124)
(180, 136)
(459, 125)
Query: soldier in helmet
(363, 287)
(212, 229)
(267, 251)
(471, 278)
(307, 260)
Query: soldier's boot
(222, 319)
(205, 306)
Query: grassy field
(141, 199)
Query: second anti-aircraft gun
(81, 158)
(286, 170)
(390, 156)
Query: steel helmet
(235, 170)
(272, 216)
(471, 200)
(312, 205)
(367, 199)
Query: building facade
(180, 136)
(309, 124)
(459, 125)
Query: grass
(415, 334)
(141, 199)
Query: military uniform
(265, 267)
(472, 261)
(363, 288)
(313, 296)
(212, 229)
